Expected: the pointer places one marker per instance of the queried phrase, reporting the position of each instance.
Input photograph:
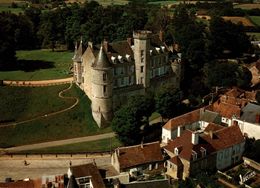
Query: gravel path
(59, 142)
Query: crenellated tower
(102, 86)
(142, 57)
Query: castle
(112, 72)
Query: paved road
(40, 167)
(37, 83)
(59, 142)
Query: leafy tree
(7, 49)
(167, 101)
(129, 119)
(226, 36)
(227, 74)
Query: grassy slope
(74, 123)
(255, 20)
(91, 146)
(58, 62)
(25, 102)
(256, 35)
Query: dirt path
(38, 83)
(50, 114)
(59, 142)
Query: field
(23, 103)
(255, 20)
(236, 20)
(40, 65)
(91, 146)
(74, 123)
(247, 6)
(5, 5)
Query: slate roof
(137, 155)
(101, 60)
(249, 113)
(90, 170)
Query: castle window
(130, 80)
(122, 81)
(142, 53)
(104, 89)
(142, 59)
(104, 77)
(142, 68)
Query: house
(216, 147)
(112, 72)
(86, 175)
(22, 184)
(197, 119)
(138, 159)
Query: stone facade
(112, 72)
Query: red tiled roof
(225, 138)
(213, 127)
(137, 155)
(176, 160)
(226, 110)
(89, 170)
(222, 139)
(184, 119)
(187, 147)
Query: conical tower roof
(101, 60)
(78, 52)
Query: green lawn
(43, 64)
(109, 2)
(5, 8)
(255, 20)
(74, 123)
(91, 146)
(21, 103)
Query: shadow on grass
(29, 65)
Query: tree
(227, 74)
(129, 119)
(226, 36)
(7, 47)
(167, 101)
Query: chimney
(211, 134)
(195, 138)
(179, 130)
(257, 118)
(142, 143)
(105, 45)
(90, 44)
(161, 35)
(129, 41)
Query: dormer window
(157, 49)
(151, 52)
(163, 48)
(127, 57)
(113, 59)
(120, 58)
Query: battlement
(142, 34)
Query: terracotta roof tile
(137, 155)
(88, 170)
(184, 119)
(226, 110)
(213, 127)
(225, 138)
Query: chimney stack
(179, 130)
(195, 138)
(105, 45)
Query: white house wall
(252, 130)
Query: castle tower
(77, 67)
(142, 57)
(102, 86)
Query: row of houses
(207, 139)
